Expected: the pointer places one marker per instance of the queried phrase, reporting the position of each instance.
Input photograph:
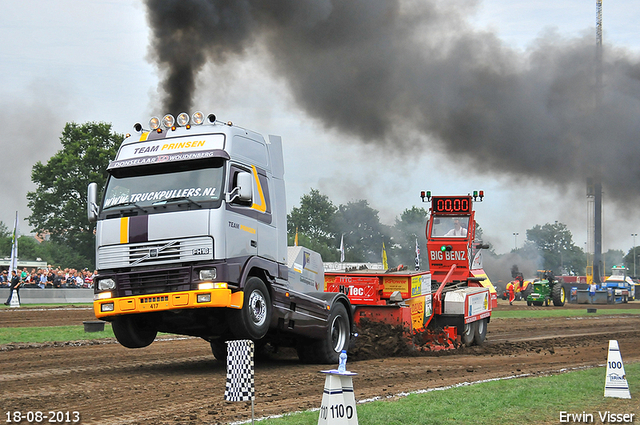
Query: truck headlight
(183, 119)
(154, 123)
(204, 286)
(168, 121)
(102, 296)
(204, 298)
(208, 274)
(106, 307)
(197, 118)
(108, 283)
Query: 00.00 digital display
(452, 204)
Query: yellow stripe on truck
(124, 230)
(167, 301)
(262, 206)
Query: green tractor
(545, 289)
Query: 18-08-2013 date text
(42, 416)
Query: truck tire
(480, 332)
(328, 350)
(558, 294)
(468, 333)
(133, 332)
(253, 319)
(219, 349)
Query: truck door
(241, 225)
(250, 229)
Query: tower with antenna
(598, 53)
(594, 185)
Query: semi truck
(191, 240)
(441, 308)
(620, 286)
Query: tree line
(322, 226)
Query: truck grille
(154, 281)
(155, 253)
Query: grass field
(538, 400)
(51, 334)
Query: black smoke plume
(413, 76)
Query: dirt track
(178, 381)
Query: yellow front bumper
(109, 307)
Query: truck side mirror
(92, 202)
(243, 191)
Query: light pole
(515, 242)
(634, 253)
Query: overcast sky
(70, 61)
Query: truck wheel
(219, 349)
(558, 295)
(529, 303)
(252, 321)
(133, 332)
(328, 350)
(468, 333)
(481, 332)
(306, 353)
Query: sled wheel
(468, 333)
(480, 332)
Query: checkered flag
(240, 380)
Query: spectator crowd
(50, 278)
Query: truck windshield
(450, 227)
(195, 186)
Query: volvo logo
(153, 253)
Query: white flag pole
(13, 265)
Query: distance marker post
(15, 301)
(338, 401)
(615, 384)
